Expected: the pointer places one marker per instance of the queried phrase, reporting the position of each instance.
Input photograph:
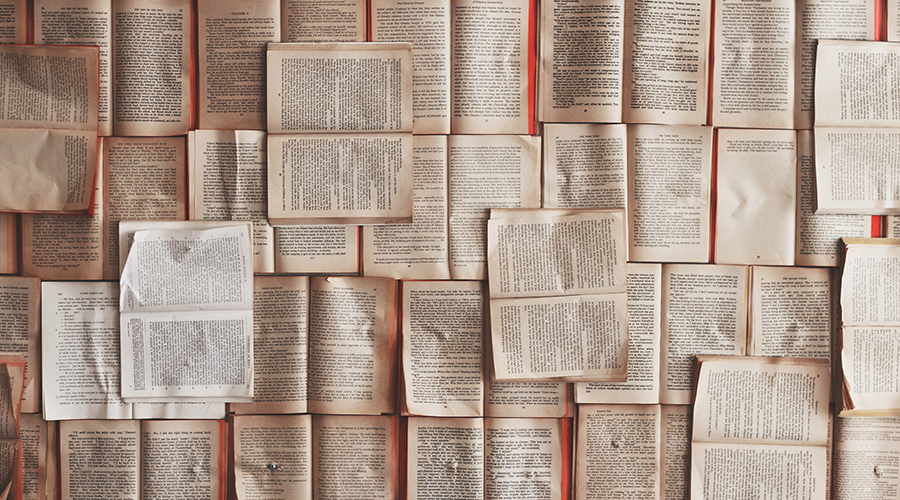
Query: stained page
(445, 458)
(273, 456)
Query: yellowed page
(581, 60)
(442, 330)
(80, 351)
(232, 39)
(666, 70)
(489, 76)
(670, 171)
(526, 399)
(870, 357)
(825, 19)
(585, 165)
(644, 323)
(273, 457)
(753, 67)
(790, 312)
(80, 22)
(617, 451)
(144, 179)
(865, 454)
(352, 345)
(704, 312)
(227, 179)
(323, 21)
(317, 249)
(871, 283)
(819, 235)
(65, 247)
(757, 197)
(445, 458)
(151, 78)
(20, 301)
(9, 244)
(167, 445)
(487, 172)
(100, 458)
(675, 449)
(12, 22)
(354, 457)
(33, 430)
(426, 25)
(280, 352)
(419, 250)
(529, 447)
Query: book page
(352, 345)
(340, 179)
(753, 67)
(323, 20)
(227, 179)
(425, 25)
(9, 244)
(526, 399)
(186, 321)
(665, 70)
(869, 360)
(675, 451)
(892, 20)
(670, 170)
(891, 226)
(355, 456)
(20, 300)
(523, 458)
(871, 283)
(491, 75)
(12, 21)
(80, 22)
(273, 456)
(757, 197)
(445, 458)
(854, 80)
(824, 19)
(644, 324)
(232, 41)
(704, 312)
(317, 249)
(144, 179)
(64, 247)
(865, 458)
(151, 67)
(487, 172)
(790, 312)
(180, 410)
(819, 235)
(585, 165)
(182, 459)
(33, 429)
(442, 332)
(581, 61)
(80, 339)
(100, 458)
(617, 451)
(419, 250)
(280, 352)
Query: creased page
(485, 173)
(442, 334)
(233, 35)
(585, 165)
(168, 445)
(666, 70)
(352, 345)
(151, 67)
(323, 20)
(670, 171)
(581, 62)
(355, 457)
(273, 457)
(446, 458)
(100, 459)
(280, 339)
(187, 318)
(523, 458)
(870, 357)
(757, 190)
(419, 250)
(617, 451)
(81, 369)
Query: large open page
(166, 448)
(756, 194)
(491, 70)
(273, 457)
(187, 318)
(535, 448)
(442, 331)
(445, 458)
(352, 345)
(100, 459)
(151, 67)
(585, 165)
(233, 35)
(355, 456)
(581, 60)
